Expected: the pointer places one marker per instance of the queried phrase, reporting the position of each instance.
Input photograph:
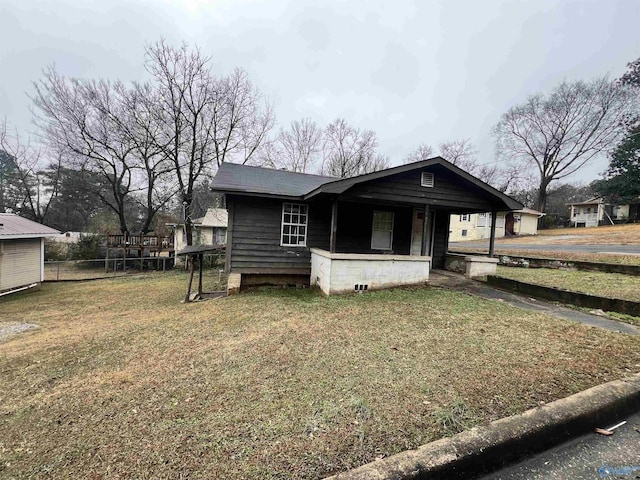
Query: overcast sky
(413, 71)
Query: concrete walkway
(456, 281)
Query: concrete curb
(484, 448)
(579, 299)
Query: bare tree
(204, 120)
(35, 186)
(86, 119)
(349, 151)
(461, 153)
(422, 152)
(296, 149)
(560, 132)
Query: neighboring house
(377, 230)
(69, 237)
(477, 226)
(21, 251)
(595, 211)
(208, 230)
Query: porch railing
(127, 240)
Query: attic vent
(427, 179)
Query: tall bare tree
(349, 151)
(422, 152)
(461, 153)
(35, 174)
(561, 132)
(88, 119)
(204, 120)
(296, 149)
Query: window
(464, 232)
(482, 219)
(382, 231)
(576, 211)
(294, 224)
(220, 236)
(465, 217)
(427, 179)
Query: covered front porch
(381, 245)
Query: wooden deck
(152, 243)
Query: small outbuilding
(21, 252)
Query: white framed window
(464, 217)
(427, 179)
(482, 220)
(464, 232)
(295, 218)
(382, 231)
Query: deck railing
(126, 240)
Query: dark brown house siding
(255, 227)
(448, 192)
(355, 221)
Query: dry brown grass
(121, 380)
(566, 256)
(605, 235)
(610, 285)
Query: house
(595, 211)
(208, 230)
(376, 230)
(21, 252)
(477, 226)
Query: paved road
(629, 249)
(588, 457)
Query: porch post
(423, 249)
(492, 238)
(334, 226)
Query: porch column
(334, 226)
(423, 249)
(492, 238)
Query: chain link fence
(69, 270)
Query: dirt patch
(7, 331)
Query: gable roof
(530, 211)
(232, 177)
(280, 183)
(590, 201)
(13, 226)
(215, 217)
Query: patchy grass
(566, 256)
(610, 285)
(121, 380)
(605, 235)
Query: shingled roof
(232, 177)
(13, 226)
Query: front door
(416, 232)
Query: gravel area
(12, 329)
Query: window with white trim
(465, 217)
(295, 217)
(382, 230)
(427, 180)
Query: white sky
(413, 71)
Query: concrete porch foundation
(349, 272)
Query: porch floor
(457, 281)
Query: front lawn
(610, 285)
(121, 380)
